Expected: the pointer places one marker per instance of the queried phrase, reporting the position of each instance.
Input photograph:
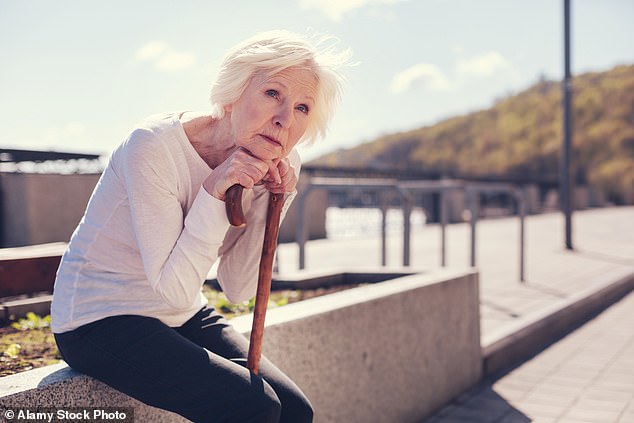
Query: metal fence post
(521, 200)
(474, 201)
(384, 210)
(407, 210)
(443, 227)
(301, 227)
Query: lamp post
(565, 179)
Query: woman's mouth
(271, 140)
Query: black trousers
(197, 370)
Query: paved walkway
(588, 376)
(603, 241)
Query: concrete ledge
(313, 279)
(27, 270)
(394, 351)
(310, 279)
(59, 386)
(17, 308)
(516, 342)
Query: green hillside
(522, 135)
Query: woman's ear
(227, 108)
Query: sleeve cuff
(207, 218)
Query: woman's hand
(241, 167)
(288, 177)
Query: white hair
(273, 51)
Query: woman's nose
(283, 118)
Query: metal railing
(332, 184)
(405, 190)
(473, 191)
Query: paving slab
(586, 377)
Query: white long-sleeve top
(151, 233)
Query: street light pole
(565, 179)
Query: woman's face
(273, 112)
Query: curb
(523, 339)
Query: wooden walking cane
(233, 204)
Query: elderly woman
(128, 308)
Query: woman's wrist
(210, 186)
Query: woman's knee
(262, 404)
(307, 411)
(270, 408)
(255, 404)
(297, 409)
(280, 406)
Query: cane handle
(233, 205)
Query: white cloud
(175, 61)
(164, 57)
(423, 74)
(335, 9)
(151, 50)
(466, 71)
(484, 65)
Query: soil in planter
(29, 343)
(25, 346)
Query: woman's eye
(303, 108)
(272, 93)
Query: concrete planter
(387, 352)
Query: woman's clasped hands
(243, 168)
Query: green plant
(32, 321)
(219, 301)
(13, 350)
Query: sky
(75, 75)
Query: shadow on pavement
(480, 405)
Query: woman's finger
(288, 183)
(270, 172)
(283, 167)
(274, 171)
(242, 168)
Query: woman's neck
(210, 137)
